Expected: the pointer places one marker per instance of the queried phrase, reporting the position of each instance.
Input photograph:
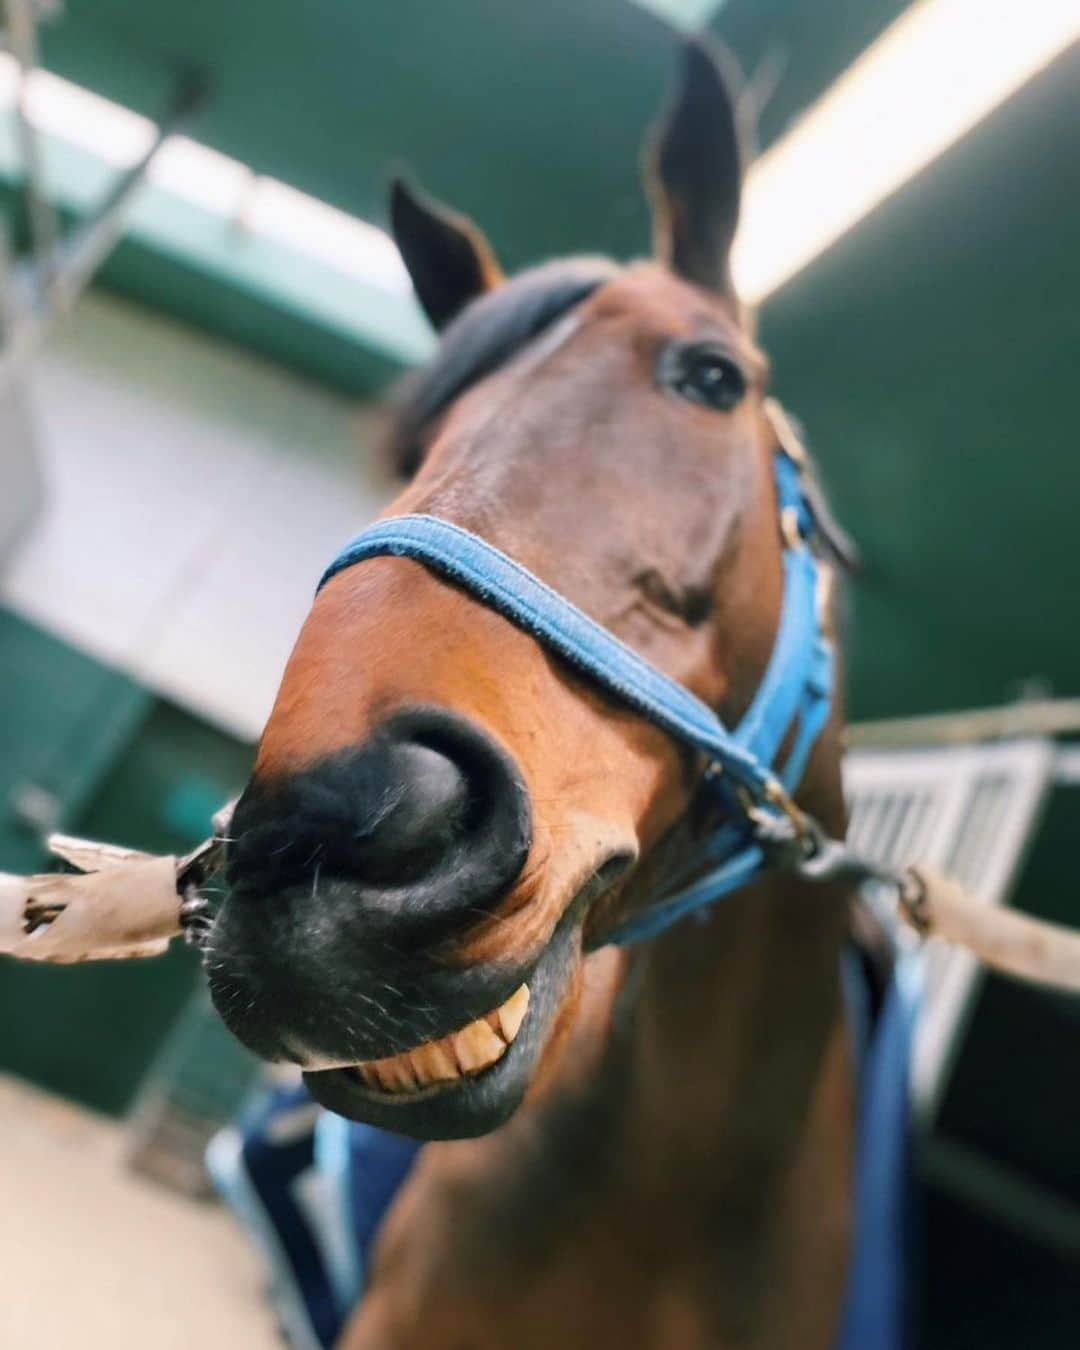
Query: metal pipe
(89, 242)
(1025, 1206)
(1034, 717)
(22, 39)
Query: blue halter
(794, 694)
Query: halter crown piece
(762, 826)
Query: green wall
(933, 355)
(121, 765)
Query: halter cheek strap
(794, 694)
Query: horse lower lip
(461, 1054)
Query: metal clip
(790, 529)
(194, 867)
(785, 833)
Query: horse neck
(736, 1017)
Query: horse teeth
(477, 1046)
(471, 1050)
(398, 1074)
(434, 1063)
(383, 1073)
(512, 1013)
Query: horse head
(444, 819)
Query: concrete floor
(93, 1256)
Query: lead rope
(127, 904)
(933, 905)
(121, 903)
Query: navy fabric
(312, 1190)
(795, 691)
(375, 1165)
(877, 1307)
(259, 1168)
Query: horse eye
(702, 374)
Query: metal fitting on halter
(912, 899)
(787, 438)
(786, 834)
(791, 530)
(829, 859)
(824, 527)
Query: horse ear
(447, 256)
(694, 169)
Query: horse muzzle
(382, 932)
(347, 878)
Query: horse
(644, 1146)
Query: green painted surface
(125, 767)
(933, 354)
(528, 115)
(64, 717)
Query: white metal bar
(1035, 717)
(1024, 1206)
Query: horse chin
(473, 1103)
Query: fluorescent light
(200, 175)
(686, 14)
(935, 73)
(59, 108)
(341, 241)
(215, 183)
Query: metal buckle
(787, 437)
(824, 528)
(790, 529)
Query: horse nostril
(429, 819)
(422, 808)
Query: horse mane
(487, 333)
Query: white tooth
(512, 1013)
(433, 1063)
(379, 1075)
(477, 1046)
(396, 1074)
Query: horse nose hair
(428, 818)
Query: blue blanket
(312, 1189)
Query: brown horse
(445, 822)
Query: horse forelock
(493, 329)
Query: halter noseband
(741, 765)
